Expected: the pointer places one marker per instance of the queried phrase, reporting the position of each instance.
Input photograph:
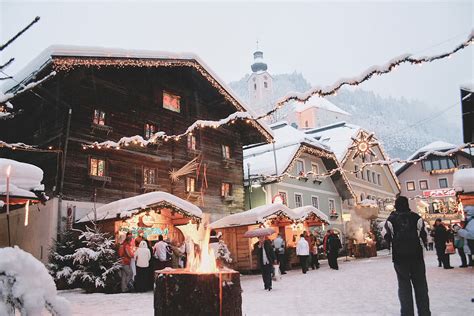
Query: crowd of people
(140, 258)
(275, 253)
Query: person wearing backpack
(405, 231)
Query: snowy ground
(360, 287)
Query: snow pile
(301, 213)
(26, 285)
(463, 180)
(257, 215)
(16, 191)
(132, 205)
(23, 175)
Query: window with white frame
(315, 201)
(368, 175)
(332, 205)
(411, 186)
(315, 169)
(299, 167)
(298, 200)
(356, 170)
(283, 197)
(150, 129)
(443, 183)
(379, 182)
(374, 179)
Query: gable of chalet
(63, 59)
(340, 137)
(289, 145)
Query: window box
(150, 187)
(228, 198)
(333, 214)
(192, 153)
(100, 178)
(101, 128)
(227, 163)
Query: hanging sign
(439, 193)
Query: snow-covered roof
(468, 87)
(287, 142)
(24, 176)
(301, 213)
(17, 192)
(45, 58)
(336, 136)
(320, 103)
(132, 205)
(257, 215)
(463, 180)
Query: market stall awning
(309, 212)
(257, 215)
(125, 208)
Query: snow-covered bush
(98, 264)
(26, 286)
(61, 264)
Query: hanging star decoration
(188, 168)
(363, 145)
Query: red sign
(439, 193)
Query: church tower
(260, 85)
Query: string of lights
(366, 75)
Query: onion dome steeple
(258, 64)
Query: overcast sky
(323, 40)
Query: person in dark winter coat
(405, 231)
(266, 259)
(332, 248)
(441, 236)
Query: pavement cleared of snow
(360, 287)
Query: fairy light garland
(369, 73)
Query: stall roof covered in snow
(23, 175)
(287, 142)
(463, 180)
(319, 103)
(57, 51)
(127, 207)
(301, 213)
(257, 215)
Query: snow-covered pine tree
(61, 264)
(98, 263)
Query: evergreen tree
(377, 231)
(61, 264)
(98, 262)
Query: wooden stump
(180, 292)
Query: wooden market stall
(233, 228)
(153, 214)
(463, 183)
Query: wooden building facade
(99, 95)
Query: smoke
(357, 227)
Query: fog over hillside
(402, 125)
